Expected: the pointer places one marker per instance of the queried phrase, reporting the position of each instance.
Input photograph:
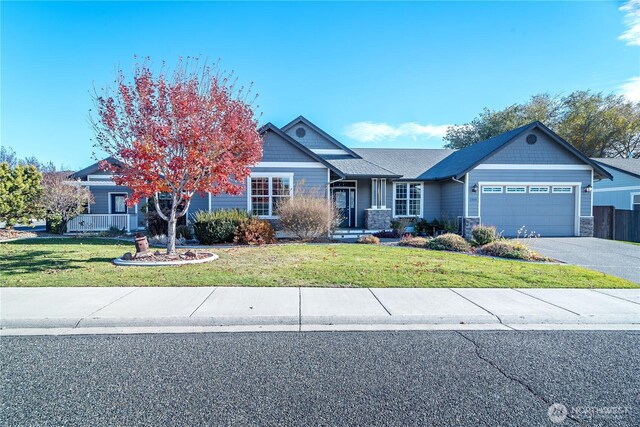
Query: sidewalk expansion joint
(550, 303)
(477, 350)
(103, 307)
(379, 302)
(299, 309)
(614, 296)
(203, 301)
(479, 306)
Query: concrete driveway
(608, 256)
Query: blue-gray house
(528, 177)
(623, 192)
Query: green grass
(87, 262)
(631, 243)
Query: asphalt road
(368, 379)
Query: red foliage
(191, 132)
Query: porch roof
(360, 168)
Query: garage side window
(516, 189)
(565, 190)
(539, 190)
(487, 189)
(635, 202)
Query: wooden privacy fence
(616, 224)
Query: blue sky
(370, 74)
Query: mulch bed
(163, 256)
(6, 234)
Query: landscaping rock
(127, 256)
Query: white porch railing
(98, 222)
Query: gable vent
(531, 139)
(300, 132)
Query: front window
(266, 192)
(408, 199)
(118, 205)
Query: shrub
(449, 242)
(399, 225)
(369, 240)
(217, 226)
(387, 234)
(253, 231)
(483, 234)
(183, 231)
(55, 223)
(510, 249)
(414, 242)
(156, 225)
(308, 215)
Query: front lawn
(87, 262)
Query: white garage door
(547, 210)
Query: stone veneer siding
(467, 225)
(586, 226)
(377, 219)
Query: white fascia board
(290, 165)
(513, 166)
(603, 190)
(329, 151)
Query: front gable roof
(338, 144)
(462, 161)
(83, 173)
(271, 127)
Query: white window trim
(329, 151)
(631, 197)
(515, 189)
(555, 187)
(484, 187)
(269, 175)
(546, 189)
(122, 193)
(393, 205)
(374, 193)
(602, 190)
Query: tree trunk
(171, 232)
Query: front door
(345, 200)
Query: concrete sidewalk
(185, 309)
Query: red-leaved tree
(180, 133)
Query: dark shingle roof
(631, 166)
(462, 160)
(405, 162)
(360, 168)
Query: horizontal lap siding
(314, 178)
(621, 199)
(487, 175)
(432, 204)
(451, 199)
(101, 198)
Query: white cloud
(374, 132)
(631, 10)
(631, 89)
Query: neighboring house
(624, 191)
(525, 177)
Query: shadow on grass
(44, 261)
(68, 241)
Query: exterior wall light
(588, 188)
(474, 189)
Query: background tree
(8, 155)
(20, 191)
(180, 133)
(62, 200)
(596, 124)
